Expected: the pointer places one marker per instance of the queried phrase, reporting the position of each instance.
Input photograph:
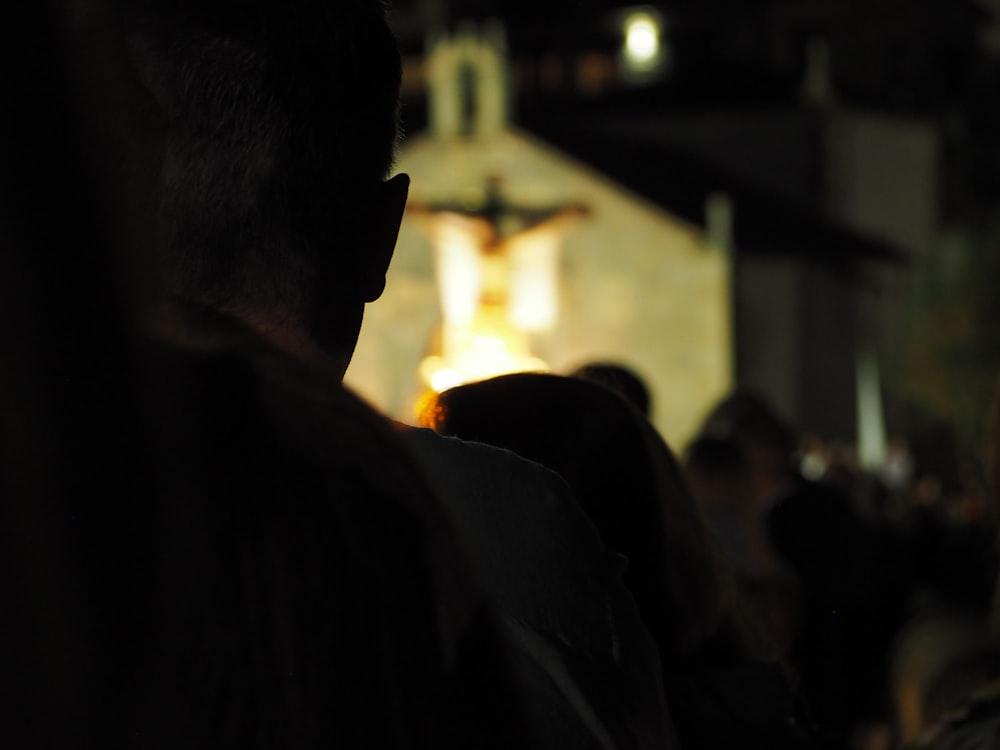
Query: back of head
(280, 120)
(718, 474)
(621, 379)
(623, 475)
(714, 456)
(768, 443)
(747, 416)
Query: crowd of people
(208, 541)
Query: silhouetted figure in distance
(851, 583)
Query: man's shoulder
(483, 486)
(533, 546)
(466, 459)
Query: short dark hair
(748, 418)
(277, 117)
(619, 378)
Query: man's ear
(387, 214)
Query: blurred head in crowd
(621, 379)
(718, 474)
(767, 442)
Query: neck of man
(200, 325)
(297, 342)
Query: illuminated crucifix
(497, 269)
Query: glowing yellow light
(491, 348)
(484, 356)
(438, 374)
(642, 38)
(498, 287)
(534, 270)
(459, 272)
(534, 364)
(444, 379)
(488, 356)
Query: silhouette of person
(722, 684)
(281, 122)
(850, 577)
(187, 536)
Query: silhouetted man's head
(280, 128)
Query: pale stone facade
(636, 285)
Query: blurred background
(797, 197)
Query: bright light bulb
(642, 38)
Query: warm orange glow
(496, 292)
(532, 283)
(488, 347)
(436, 372)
